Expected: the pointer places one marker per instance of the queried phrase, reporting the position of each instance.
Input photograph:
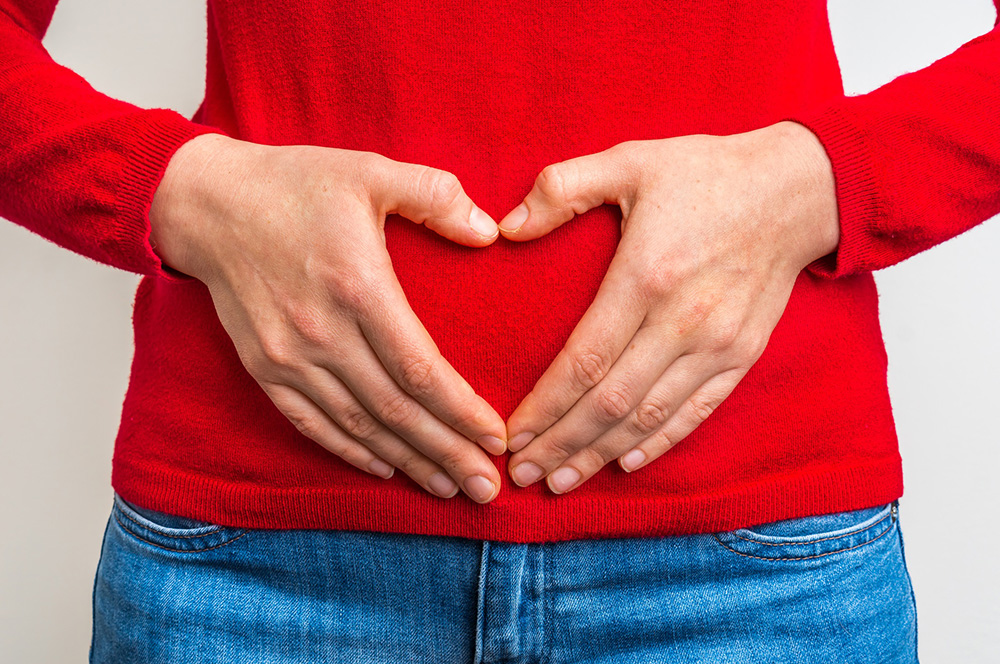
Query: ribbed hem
(161, 132)
(515, 515)
(857, 202)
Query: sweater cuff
(161, 133)
(858, 206)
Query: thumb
(566, 189)
(432, 197)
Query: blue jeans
(831, 588)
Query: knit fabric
(493, 92)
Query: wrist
(183, 202)
(812, 188)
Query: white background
(66, 347)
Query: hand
(715, 230)
(290, 242)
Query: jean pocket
(171, 532)
(811, 537)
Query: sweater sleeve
(916, 161)
(76, 166)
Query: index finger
(411, 357)
(595, 344)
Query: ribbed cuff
(161, 132)
(850, 152)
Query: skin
(715, 231)
(289, 240)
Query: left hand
(715, 230)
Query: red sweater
(493, 92)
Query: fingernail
(442, 485)
(480, 488)
(381, 468)
(518, 442)
(564, 478)
(482, 224)
(515, 219)
(526, 473)
(492, 444)
(633, 460)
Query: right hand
(290, 242)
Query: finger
(346, 414)
(569, 188)
(596, 342)
(432, 197)
(381, 397)
(378, 439)
(671, 390)
(689, 416)
(603, 407)
(314, 423)
(406, 350)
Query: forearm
(915, 161)
(77, 166)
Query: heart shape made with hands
(685, 309)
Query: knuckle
(648, 418)
(309, 324)
(660, 277)
(465, 419)
(413, 465)
(549, 411)
(751, 348)
(450, 456)
(417, 376)
(591, 459)
(662, 441)
(612, 403)
(258, 366)
(725, 334)
(625, 154)
(703, 406)
(342, 449)
(368, 167)
(656, 284)
(551, 181)
(443, 187)
(354, 291)
(622, 148)
(633, 167)
(588, 368)
(309, 426)
(557, 449)
(544, 407)
(371, 162)
(398, 412)
(359, 423)
(660, 283)
(275, 351)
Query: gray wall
(66, 345)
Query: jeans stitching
(913, 597)
(163, 534)
(93, 595)
(819, 555)
(167, 548)
(816, 541)
(548, 553)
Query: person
(690, 211)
